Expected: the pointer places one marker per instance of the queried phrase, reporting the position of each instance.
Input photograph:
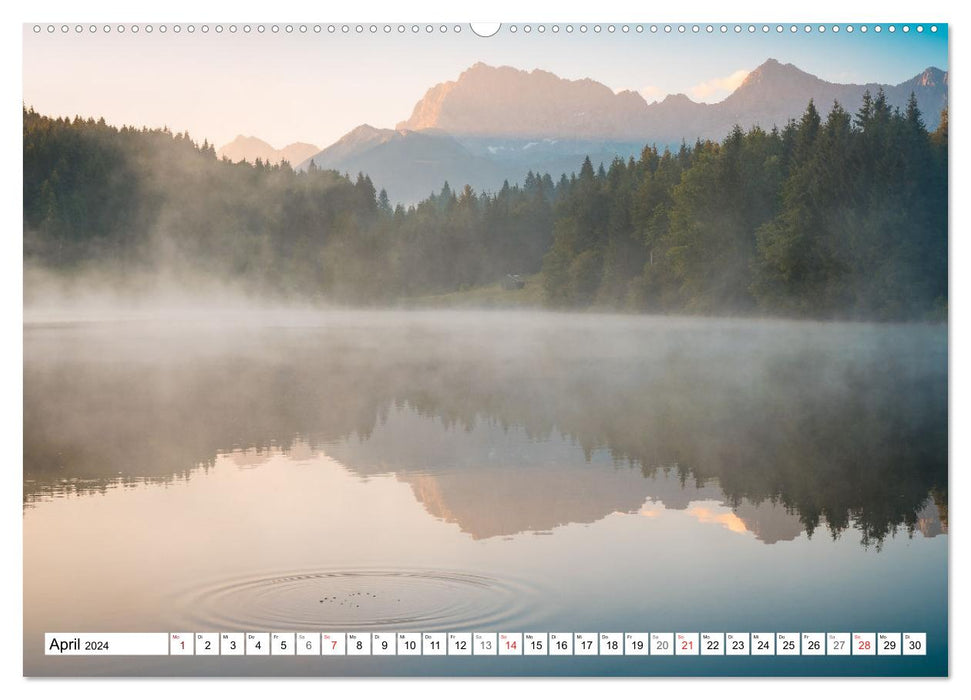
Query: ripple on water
(429, 600)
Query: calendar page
(516, 349)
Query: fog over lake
(482, 471)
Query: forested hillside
(845, 217)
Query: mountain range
(504, 101)
(249, 148)
(496, 123)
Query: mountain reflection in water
(513, 423)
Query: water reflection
(504, 424)
(356, 598)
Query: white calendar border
(11, 651)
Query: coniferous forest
(836, 217)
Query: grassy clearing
(491, 296)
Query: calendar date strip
(486, 644)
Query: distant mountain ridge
(249, 148)
(505, 101)
(497, 123)
(410, 165)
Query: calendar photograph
(485, 350)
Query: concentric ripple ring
(349, 599)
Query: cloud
(718, 516)
(718, 88)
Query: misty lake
(484, 471)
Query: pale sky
(315, 87)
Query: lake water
(466, 471)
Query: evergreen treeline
(842, 217)
(139, 199)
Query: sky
(316, 86)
